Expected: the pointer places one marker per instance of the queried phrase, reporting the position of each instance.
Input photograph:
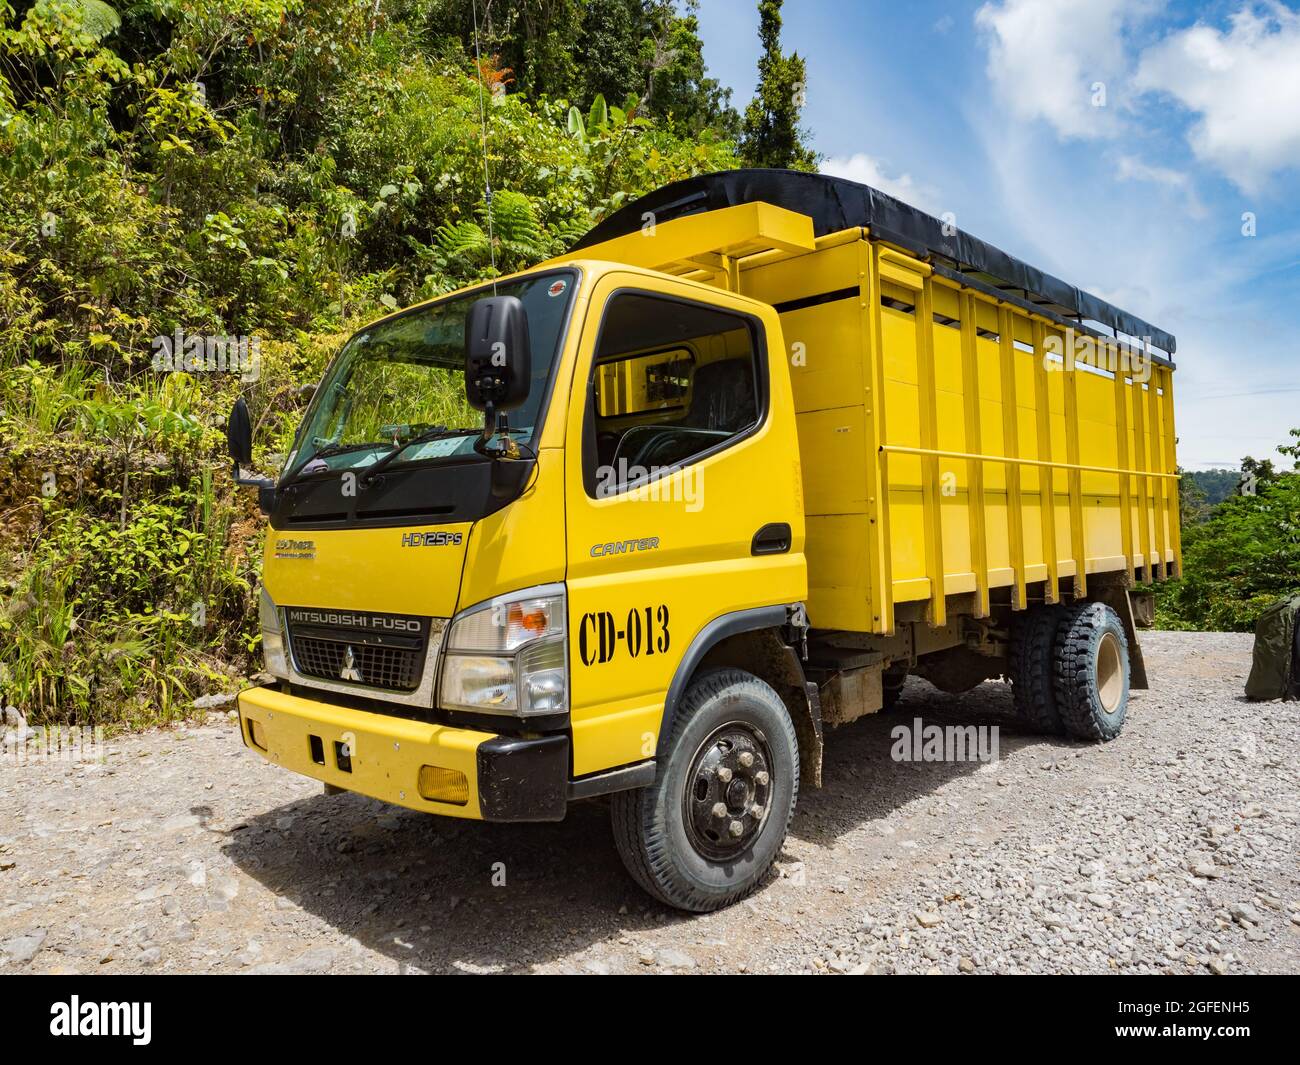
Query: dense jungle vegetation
(271, 174)
(274, 172)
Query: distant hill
(1217, 485)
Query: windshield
(404, 378)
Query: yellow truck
(647, 521)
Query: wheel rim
(1110, 673)
(728, 791)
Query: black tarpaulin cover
(835, 204)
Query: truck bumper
(435, 768)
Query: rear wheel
(1032, 661)
(707, 831)
(1092, 672)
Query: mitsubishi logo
(349, 670)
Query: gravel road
(1172, 849)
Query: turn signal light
(532, 619)
(443, 785)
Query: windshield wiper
(437, 432)
(326, 451)
(339, 449)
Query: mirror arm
(494, 422)
(489, 428)
(251, 482)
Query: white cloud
(863, 168)
(1244, 84)
(1133, 169)
(1068, 212)
(1046, 58)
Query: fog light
(443, 785)
(255, 735)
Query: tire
(1092, 672)
(662, 831)
(891, 683)
(1032, 662)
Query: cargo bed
(935, 409)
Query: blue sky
(989, 110)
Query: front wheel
(706, 832)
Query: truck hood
(412, 570)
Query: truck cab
(490, 631)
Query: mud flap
(808, 728)
(1115, 596)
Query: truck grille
(361, 655)
(378, 667)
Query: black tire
(1032, 662)
(891, 683)
(1092, 672)
(661, 831)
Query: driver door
(676, 456)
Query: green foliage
(772, 137)
(643, 51)
(272, 170)
(97, 19)
(109, 623)
(1243, 555)
(678, 86)
(1213, 485)
(614, 36)
(515, 240)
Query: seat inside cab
(672, 381)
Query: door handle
(772, 539)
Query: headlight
(277, 664)
(508, 655)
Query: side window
(672, 381)
(643, 383)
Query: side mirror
(498, 363)
(239, 442)
(239, 434)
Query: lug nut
(761, 777)
(746, 759)
(724, 774)
(719, 809)
(756, 812)
(736, 828)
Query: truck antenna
(487, 181)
